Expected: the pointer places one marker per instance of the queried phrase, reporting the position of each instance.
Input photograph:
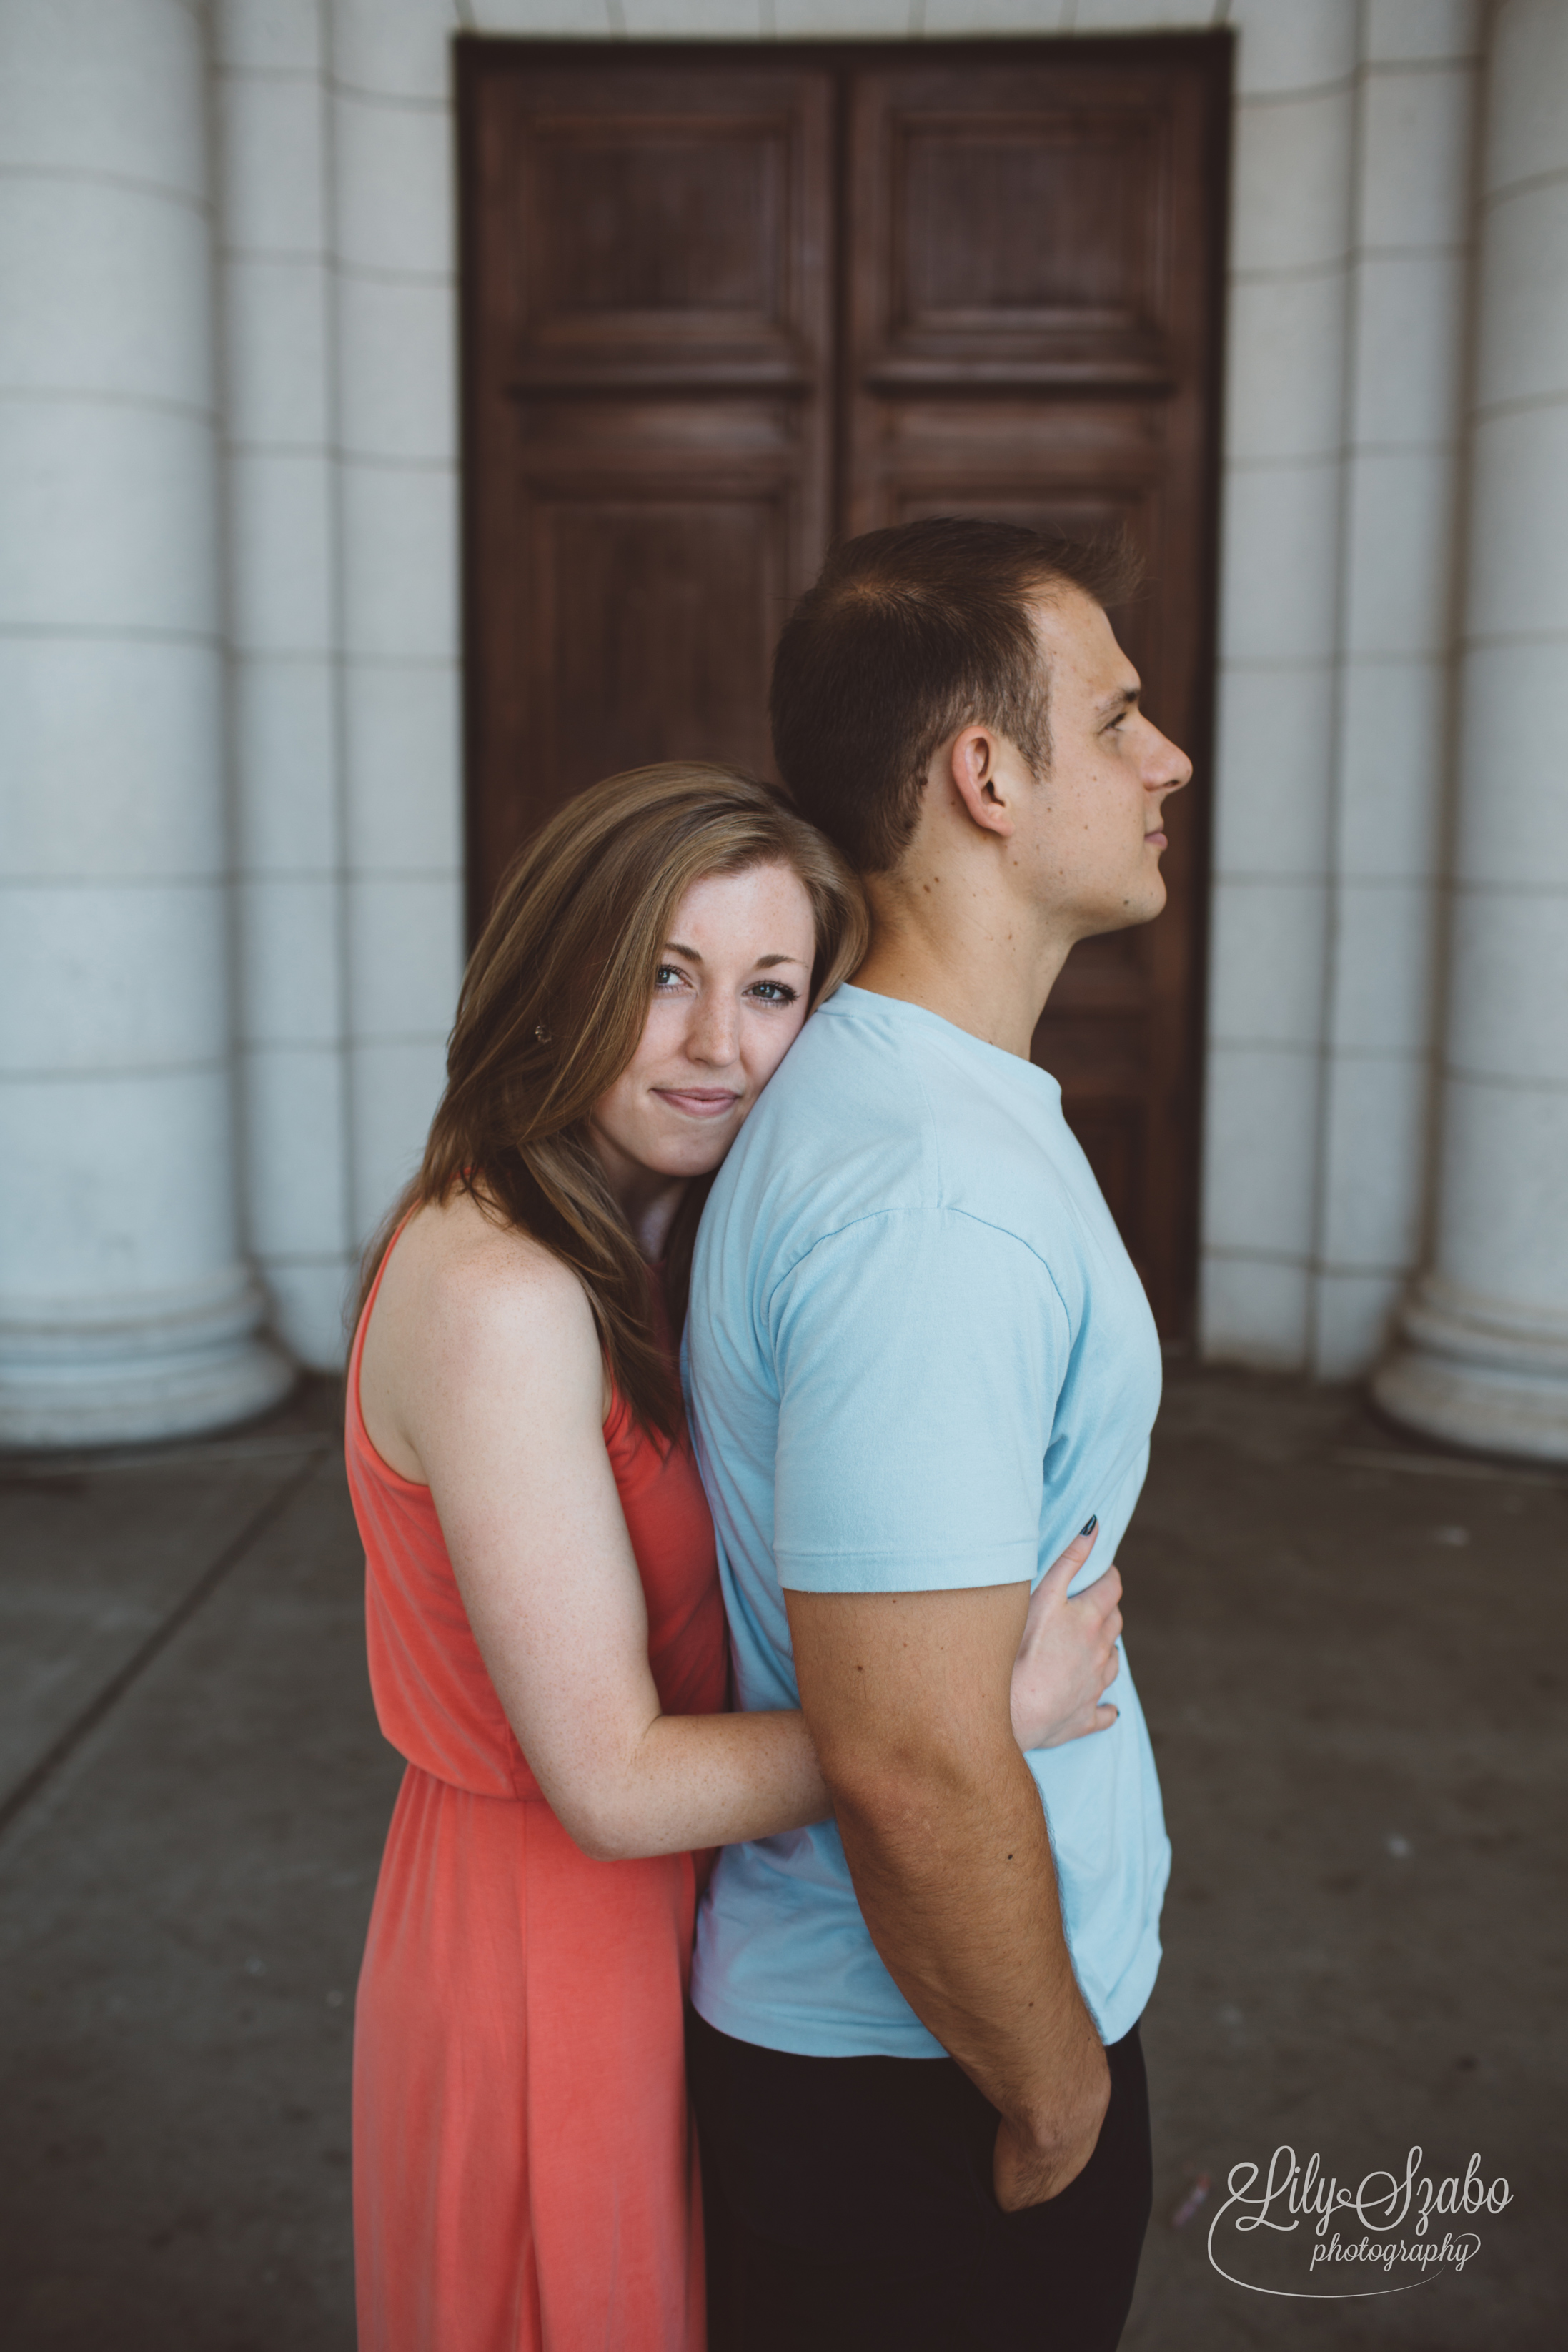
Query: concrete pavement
(1350, 1650)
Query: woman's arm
(495, 1382)
(505, 1413)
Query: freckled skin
(730, 1000)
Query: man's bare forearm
(907, 1696)
(955, 1875)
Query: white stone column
(1292, 227)
(395, 345)
(1485, 1354)
(125, 1310)
(277, 301)
(1403, 474)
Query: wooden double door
(722, 305)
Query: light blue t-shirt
(918, 1358)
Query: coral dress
(524, 2165)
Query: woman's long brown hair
(553, 1009)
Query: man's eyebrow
(1126, 700)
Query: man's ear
(973, 765)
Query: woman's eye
(667, 976)
(775, 991)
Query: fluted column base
(1476, 1371)
(124, 1371)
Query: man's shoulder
(848, 1041)
(876, 1066)
(875, 1125)
(841, 1133)
(881, 1107)
(845, 1101)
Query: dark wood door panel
(648, 305)
(654, 217)
(1014, 220)
(1114, 1134)
(658, 544)
(654, 624)
(645, 228)
(1089, 174)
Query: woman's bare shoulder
(472, 1310)
(476, 1324)
(458, 1262)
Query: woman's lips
(1157, 836)
(699, 1102)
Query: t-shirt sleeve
(918, 1356)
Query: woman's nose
(715, 1032)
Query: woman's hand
(1067, 1656)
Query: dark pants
(849, 2203)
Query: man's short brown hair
(908, 636)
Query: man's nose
(1169, 767)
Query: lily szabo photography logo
(1301, 2233)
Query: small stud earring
(541, 1032)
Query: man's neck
(972, 966)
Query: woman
(547, 1640)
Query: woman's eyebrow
(763, 963)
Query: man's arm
(907, 1697)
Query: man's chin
(1141, 905)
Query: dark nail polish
(1089, 1529)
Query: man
(920, 1361)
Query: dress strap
(356, 1353)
